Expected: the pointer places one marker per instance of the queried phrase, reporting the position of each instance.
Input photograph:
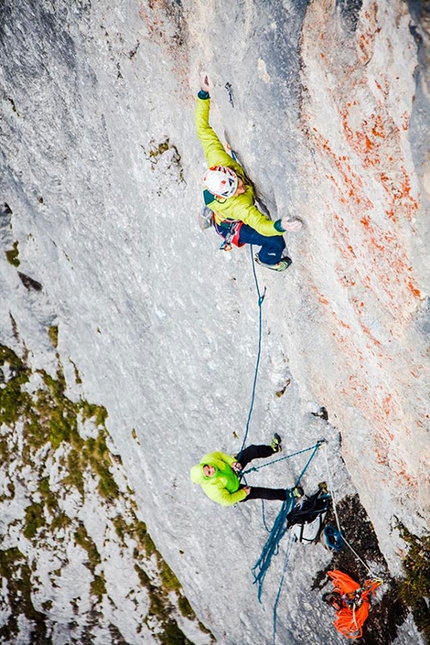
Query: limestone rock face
(326, 104)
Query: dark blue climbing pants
(260, 452)
(271, 247)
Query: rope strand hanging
(280, 525)
(330, 484)
(257, 363)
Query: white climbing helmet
(221, 181)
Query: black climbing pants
(254, 452)
(266, 493)
(260, 452)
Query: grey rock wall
(101, 169)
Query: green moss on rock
(51, 423)
(34, 520)
(415, 587)
(85, 541)
(13, 255)
(14, 568)
(98, 587)
(53, 335)
(185, 608)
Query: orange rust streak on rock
(381, 247)
(386, 256)
(369, 333)
(416, 292)
(405, 117)
(400, 470)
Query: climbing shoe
(282, 265)
(276, 443)
(298, 492)
(322, 486)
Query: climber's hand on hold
(204, 84)
(292, 225)
(247, 489)
(237, 467)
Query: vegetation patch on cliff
(42, 443)
(415, 587)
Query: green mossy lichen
(149, 545)
(51, 423)
(13, 401)
(78, 379)
(13, 255)
(97, 413)
(53, 335)
(49, 498)
(14, 569)
(205, 630)
(84, 540)
(121, 527)
(60, 521)
(98, 587)
(168, 579)
(172, 634)
(34, 520)
(75, 476)
(143, 576)
(415, 587)
(185, 608)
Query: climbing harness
(230, 231)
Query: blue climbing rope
(280, 525)
(293, 454)
(271, 547)
(281, 584)
(261, 297)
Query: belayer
(231, 197)
(219, 475)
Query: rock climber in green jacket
(218, 474)
(231, 197)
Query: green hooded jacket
(223, 486)
(240, 207)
